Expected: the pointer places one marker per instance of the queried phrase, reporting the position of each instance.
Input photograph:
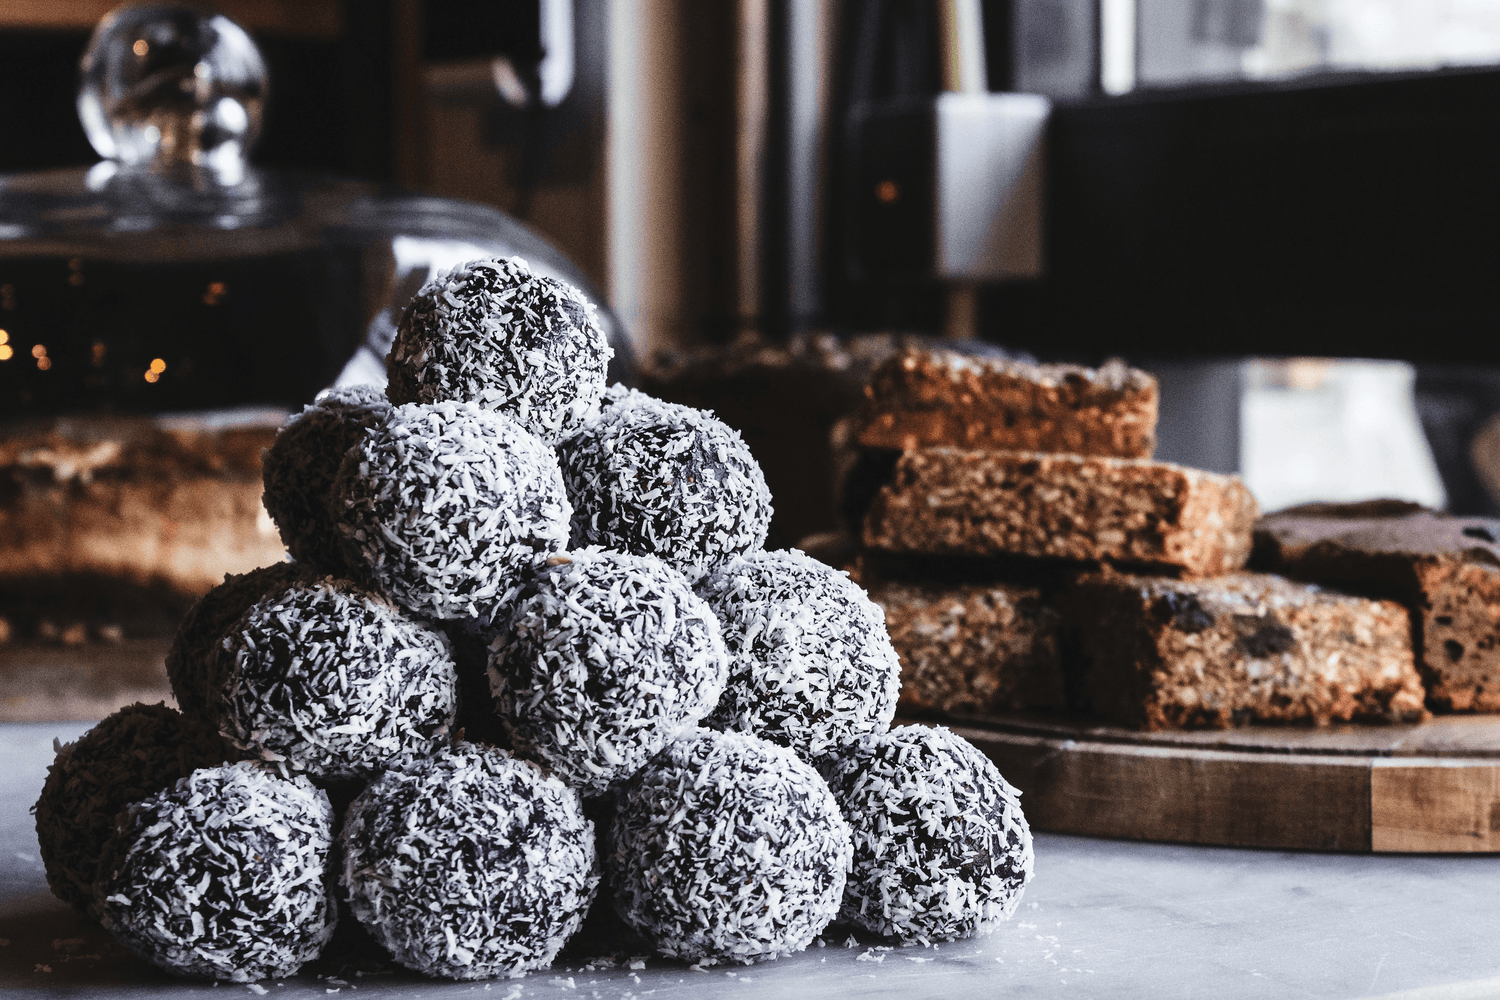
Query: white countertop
(1106, 919)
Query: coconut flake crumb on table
(1226, 923)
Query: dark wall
(1357, 217)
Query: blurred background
(1287, 210)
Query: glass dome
(173, 276)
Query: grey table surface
(1101, 919)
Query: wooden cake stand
(1433, 787)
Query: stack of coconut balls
(572, 576)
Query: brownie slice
(972, 649)
(1445, 569)
(922, 399)
(1156, 653)
(1120, 510)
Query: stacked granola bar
(1030, 554)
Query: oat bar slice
(1156, 653)
(920, 399)
(1445, 569)
(1120, 510)
(968, 649)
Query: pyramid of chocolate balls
(571, 576)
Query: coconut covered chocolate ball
(192, 661)
(469, 864)
(495, 333)
(727, 848)
(655, 478)
(605, 658)
(335, 681)
(941, 848)
(445, 507)
(223, 875)
(139, 750)
(811, 664)
(302, 462)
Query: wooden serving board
(1433, 787)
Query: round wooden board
(1433, 787)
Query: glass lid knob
(169, 85)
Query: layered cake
(170, 501)
(110, 527)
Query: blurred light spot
(4, 337)
(6, 352)
(158, 365)
(152, 377)
(75, 264)
(216, 290)
(141, 47)
(97, 352)
(75, 279)
(44, 362)
(886, 192)
(231, 115)
(39, 351)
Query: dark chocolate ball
(137, 751)
(605, 657)
(941, 848)
(495, 333)
(335, 681)
(727, 848)
(811, 664)
(445, 507)
(222, 876)
(470, 863)
(193, 658)
(302, 462)
(655, 478)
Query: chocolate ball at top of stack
(495, 333)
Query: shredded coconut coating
(300, 466)
(192, 662)
(605, 658)
(335, 681)
(727, 848)
(656, 478)
(942, 850)
(469, 864)
(139, 750)
(812, 667)
(446, 506)
(223, 876)
(494, 333)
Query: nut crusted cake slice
(923, 399)
(1445, 569)
(947, 501)
(972, 648)
(1250, 647)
